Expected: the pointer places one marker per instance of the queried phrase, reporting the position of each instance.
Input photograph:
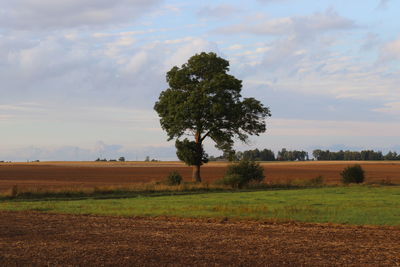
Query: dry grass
(142, 188)
(148, 188)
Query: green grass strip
(356, 205)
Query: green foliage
(287, 155)
(232, 180)
(14, 191)
(353, 155)
(190, 152)
(353, 174)
(174, 178)
(392, 156)
(313, 182)
(261, 155)
(317, 181)
(242, 173)
(202, 101)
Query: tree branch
(204, 137)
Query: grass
(356, 205)
(133, 190)
(17, 192)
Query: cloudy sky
(79, 78)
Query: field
(91, 174)
(39, 239)
(328, 226)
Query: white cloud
(318, 128)
(103, 148)
(25, 107)
(126, 33)
(390, 108)
(306, 26)
(118, 70)
(235, 47)
(391, 51)
(305, 58)
(371, 41)
(50, 67)
(99, 150)
(50, 14)
(179, 41)
(255, 51)
(4, 117)
(187, 49)
(383, 3)
(220, 11)
(125, 41)
(273, 1)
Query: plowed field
(90, 174)
(37, 239)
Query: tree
(267, 155)
(203, 101)
(391, 156)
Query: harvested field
(90, 174)
(38, 239)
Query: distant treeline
(354, 155)
(120, 159)
(264, 155)
(296, 155)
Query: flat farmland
(328, 226)
(91, 174)
(40, 239)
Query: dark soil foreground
(37, 239)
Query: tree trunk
(196, 174)
(196, 168)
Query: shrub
(242, 173)
(174, 178)
(232, 180)
(317, 181)
(353, 174)
(14, 191)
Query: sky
(79, 78)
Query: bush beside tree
(353, 174)
(239, 175)
(174, 178)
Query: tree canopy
(203, 101)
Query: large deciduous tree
(204, 101)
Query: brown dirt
(37, 239)
(90, 174)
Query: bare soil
(90, 174)
(38, 239)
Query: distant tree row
(264, 155)
(354, 155)
(120, 159)
(296, 155)
(147, 159)
(287, 155)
